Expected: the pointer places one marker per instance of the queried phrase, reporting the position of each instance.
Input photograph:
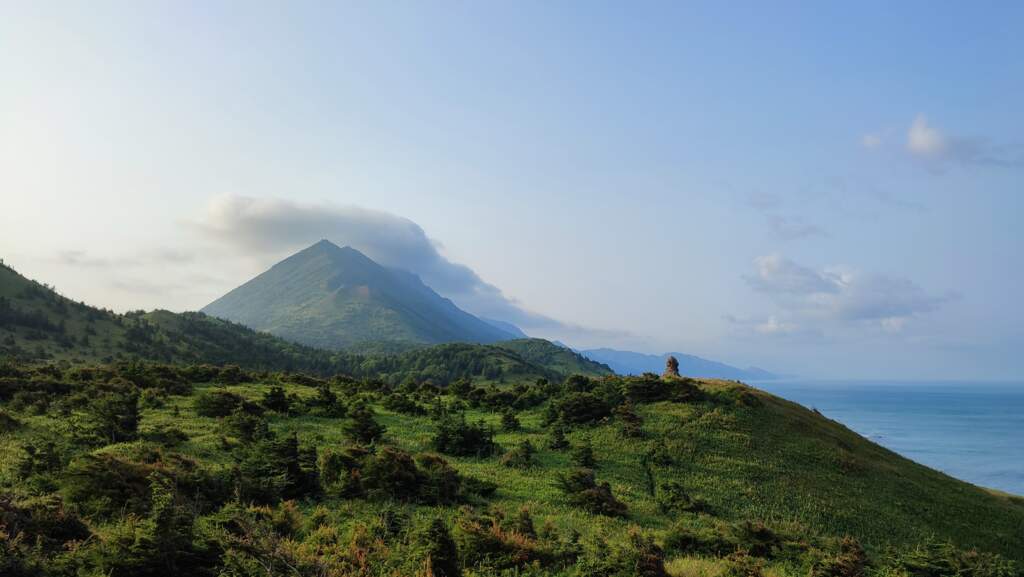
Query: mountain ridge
(336, 297)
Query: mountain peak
(336, 297)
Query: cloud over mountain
(267, 228)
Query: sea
(973, 431)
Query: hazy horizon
(814, 190)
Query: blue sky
(828, 190)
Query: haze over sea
(970, 430)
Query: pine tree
(363, 428)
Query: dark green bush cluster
(456, 436)
(402, 404)
(492, 541)
(363, 427)
(638, 556)
(102, 485)
(520, 457)
(672, 497)
(393, 474)
(272, 469)
(583, 491)
(218, 403)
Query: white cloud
(773, 326)
(871, 141)
(269, 229)
(924, 139)
(835, 297)
(779, 275)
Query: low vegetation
(130, 468)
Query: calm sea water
(972, 431)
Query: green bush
(509, 422)
(403, 405)
(673, 498)
(639, 556)
(454, 436)
(850, 561)
(217, 403)
(582, 455)
(520, 457)
(8, 424)
(556, 438)
(363, 428)
(581, 408)
(108, 418)
(583, 491)
(276, 400)
(272, 469)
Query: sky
(818, 189)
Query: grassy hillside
(232, 473)
(552, 356)
(36, 323)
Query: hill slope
(561, 359)
(631, 363)
(715, 478)
(38, 324)
(331, 297)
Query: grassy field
(744, 455)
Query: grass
(748, 454)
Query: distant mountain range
(335, 297)
(631, 363)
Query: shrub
(457, 437)
(39, 464)
(650, 388)
(439, 549)
(700, 535)
(556, 439)
(630, 423)
(490, 542)
(849, 561)
(276, 400)
(399, 403)
(520, 457)
(103, 485)
(217, 403)
(152, 398)
(638, 556)
(245, 426)
(272, 469)
(509, 422)
(756, 538)
(108, 418)
(938, 559)
(741, 564)
(326, 403)
(577, 384)
(580, 408)
(363, 428)
(339, 471)
(583, 491)
(673, 498)
(441, 484)
(42, 522)
(582, 455)
(8, 424)
(165, 435)
(391, 474)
